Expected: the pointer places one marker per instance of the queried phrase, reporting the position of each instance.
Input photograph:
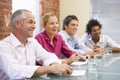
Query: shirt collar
(47, 37)
(66, 35)
(90, 37)
(16, 42)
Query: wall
(49, 6)
(33, 6)
(5, 14)
(107, 12)
(80, 8)
(61, 8)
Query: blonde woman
(53, 42)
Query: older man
(19, 52)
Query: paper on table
(78, 73)
(80, 63)
(45, 76)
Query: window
(32, 5)
(108, 13)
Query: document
(78, 73)
(80, 62)
(45, 76)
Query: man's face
(52, 26)
(72, 27)
(96, 31)
(28, 25)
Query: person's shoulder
(32, 40)
(105, 36)
(4, 46)
(84, 36)
(6, 43)
(2, 42)
(63, 32)
(58, 35)
(41, 34)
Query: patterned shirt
(104, 41)
(74, 42)
(58, 46)
(18, 61)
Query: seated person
(95, 40)
(70, 27)
(53, 42)
(19, 52)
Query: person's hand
(87, 56)
(77, 57)
(96, 46)
(84, 57)
(99, 50)
(74, 57)
(61, 69)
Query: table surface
(111, 72)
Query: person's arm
(89, 54)
(71, 57)
(55, 68)
(50, 59)
(44, 56)
(74, 57)
(65, 50)
(112, 44)
(67, 61)
(41, 71)
(83, 49)
(11, 66)
(115, 50)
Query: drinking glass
(92, 71)
(107, 57)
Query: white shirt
(18, 61)
(74, 42)
(104, 41)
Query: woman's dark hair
(67, 20)
(92, 23)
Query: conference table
(110, 72)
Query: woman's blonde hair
(45, 17)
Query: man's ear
(17, 24)
(65, 26)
